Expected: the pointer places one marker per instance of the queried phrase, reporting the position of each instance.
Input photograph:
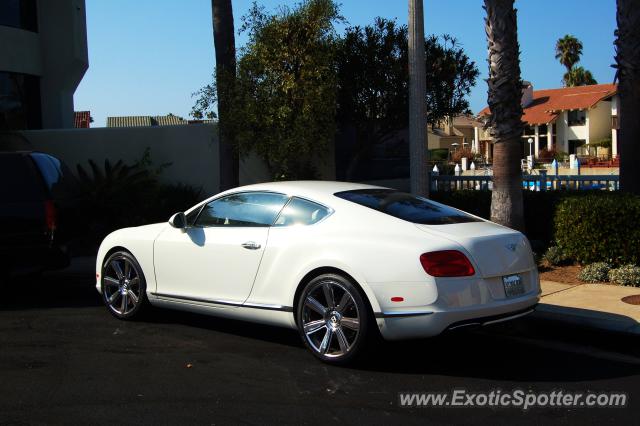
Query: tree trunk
(628, 75)
(505, 122)
(225, 47)
(419, 174)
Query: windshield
(406, 206)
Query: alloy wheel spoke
(313, 326)
(123, 305)
(313, 304)
(350, 323)
(328, 295)
(118, 270)
(134, 298)
(345, 302)
(326, 341)
(342, 340)
(113, 297)
(127, 269)
(111, 281)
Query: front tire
(124, 288)
(333, 319)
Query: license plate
(513, 285)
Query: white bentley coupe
(336, 261)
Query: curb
(584, 319)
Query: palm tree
(417, 102)
(568, 51)
(505, 121)
(628, 75)
(578, 76)
(225, 47)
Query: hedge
(599, 227)
(589, 226)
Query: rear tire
(333, 319)
(124, 288)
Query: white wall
(600, 121)
(192, 149)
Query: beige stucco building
(569, 119)
(44, 57)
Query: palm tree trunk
(418, 151)
(225, 47)
(628, 64)
(505, 122)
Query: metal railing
(539, 182)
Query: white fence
(540, 182)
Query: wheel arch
(368, 295)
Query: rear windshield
(406, 206)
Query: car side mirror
(178, 220)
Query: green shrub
(120, 195)
(554, 256)
(625, 275)
(474, 202)
(599, 227)
(595, 273)
(439, 154)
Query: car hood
(494, 249)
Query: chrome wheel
(330, 319)
(122, 288)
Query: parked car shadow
(68, 288)
(523, 351)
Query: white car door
(217, 257)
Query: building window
(575, 145)
(577, 117)
(528, 130)
(19, 101)
(19, 14)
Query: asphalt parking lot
(65, 359)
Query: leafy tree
(568, 51)
(505, 121)
(284, 106)
(373, 91)
(578, 76)
(373, 82)
(450, 77)
(628, 74)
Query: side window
(242, 209)
(301, 212)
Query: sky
(147, 57)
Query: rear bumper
(431, 322)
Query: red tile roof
(547, 103)
(81, 119)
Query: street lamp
(530, 140)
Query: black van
(35, 194)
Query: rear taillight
(50, 215)
(446, 263)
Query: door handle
(250, 245)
